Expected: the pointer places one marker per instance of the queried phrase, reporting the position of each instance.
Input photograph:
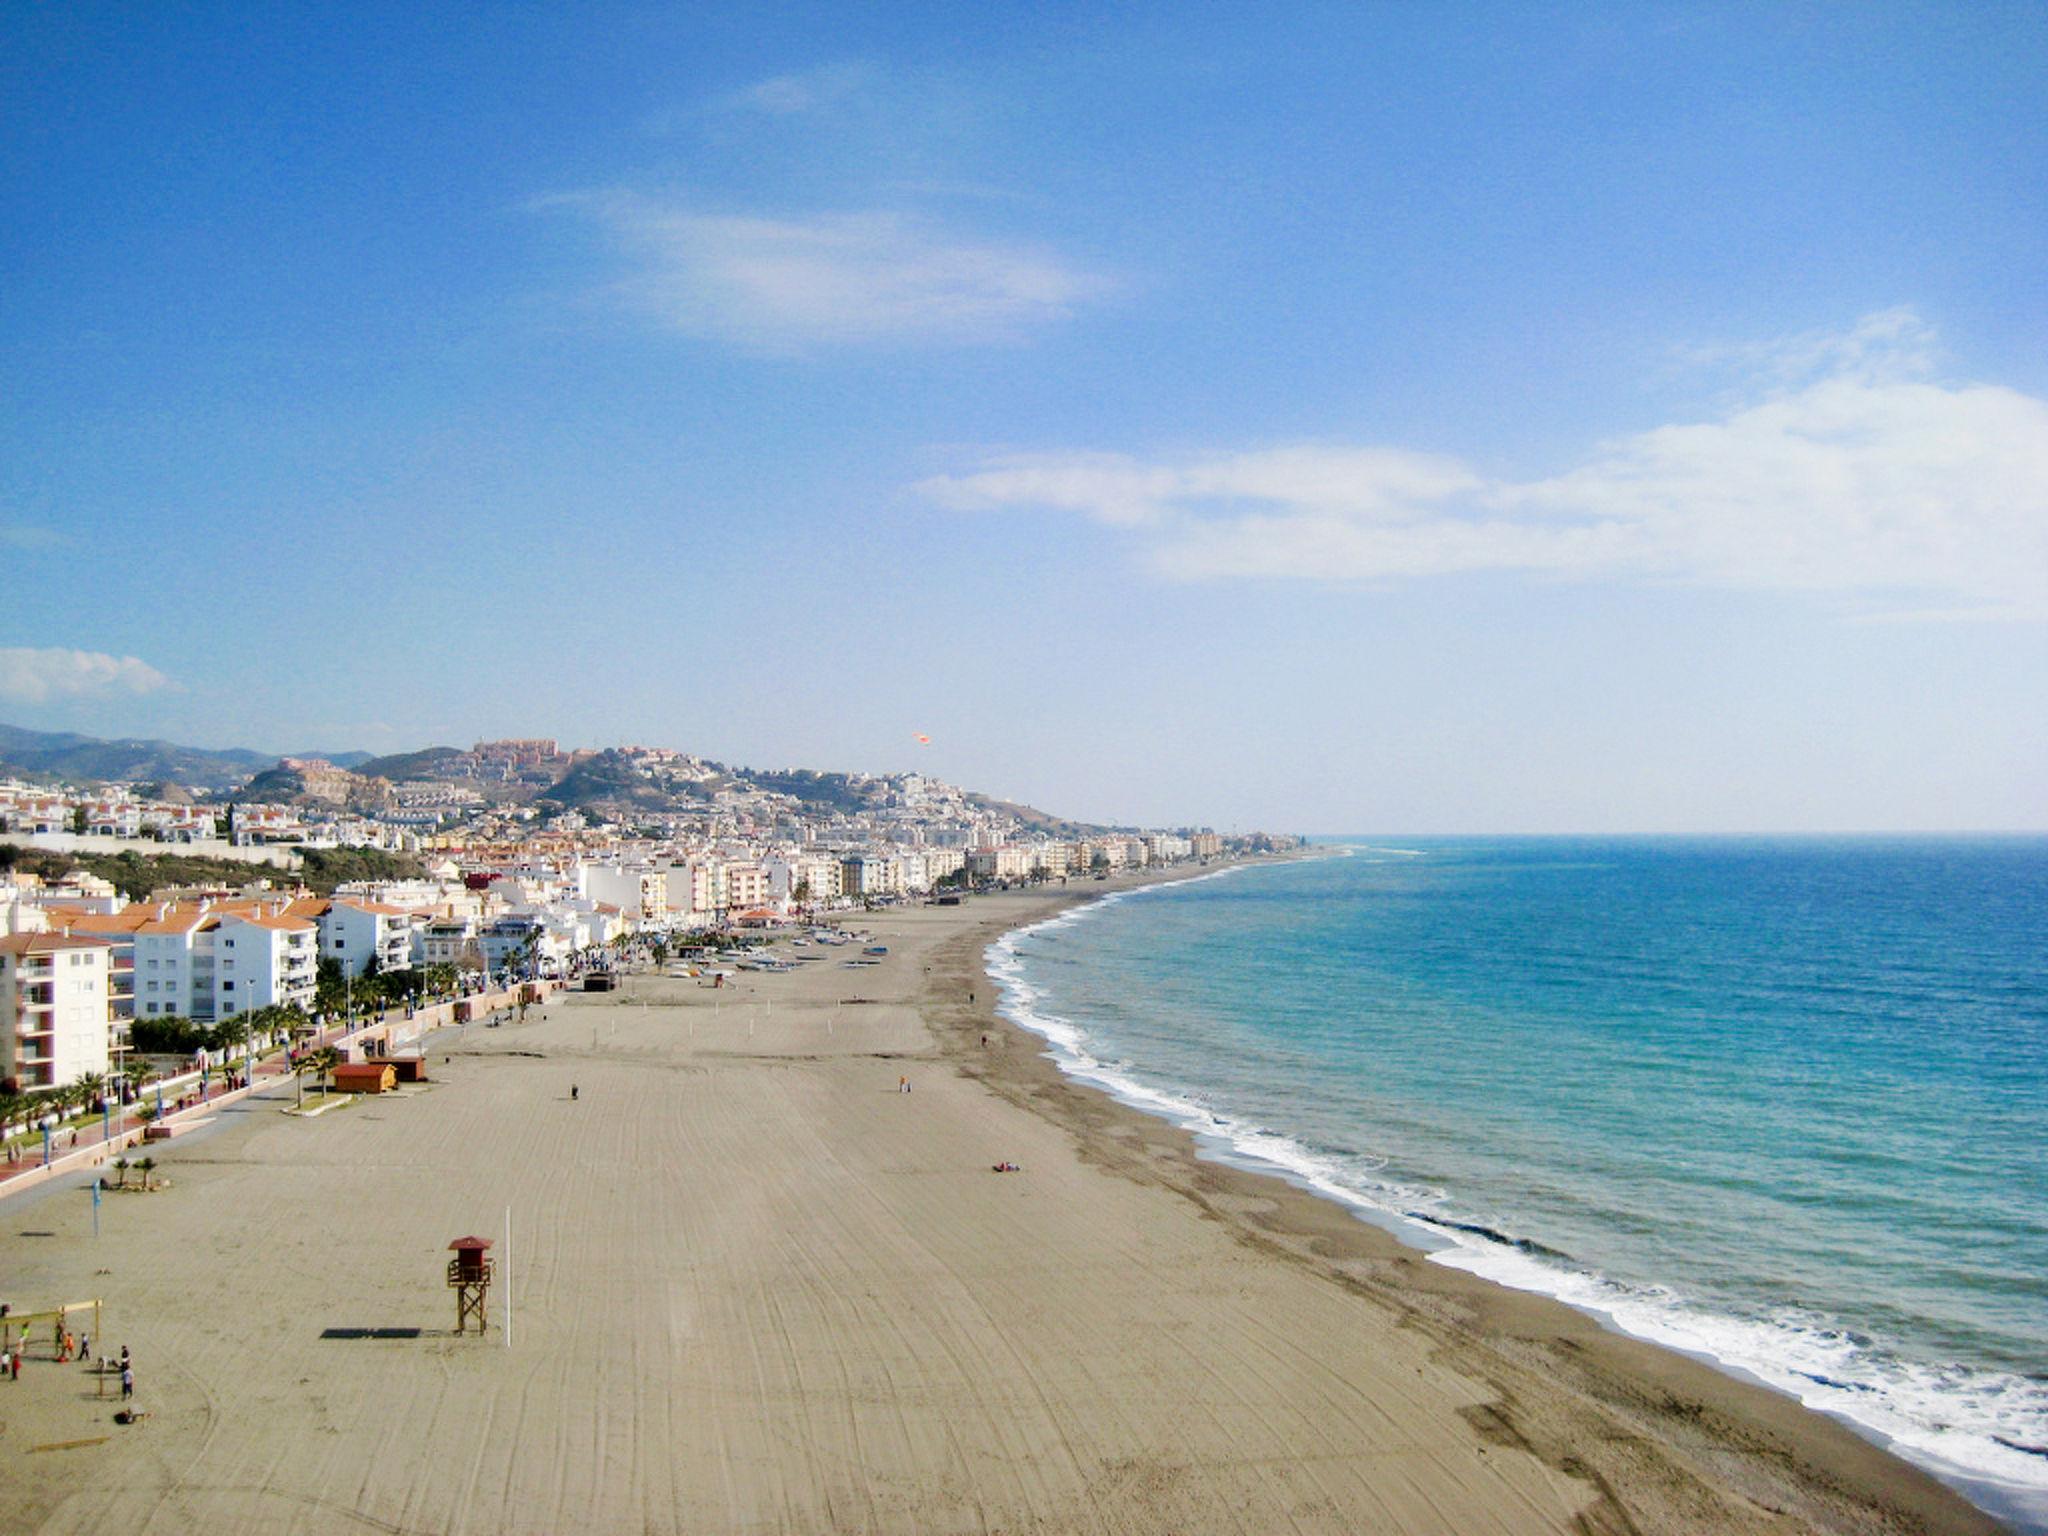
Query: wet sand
(756, 1287)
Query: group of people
(71, 1346)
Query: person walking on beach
(903, 1085)
(127, 1381)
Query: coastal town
(512, 861)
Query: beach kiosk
(365, 1077)
(469, 1276)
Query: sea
(1778, 1103)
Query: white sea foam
(1983, 1429)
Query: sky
(1402, 417)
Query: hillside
(330, 787)
(607, 783)
(67, 756)
(613, 781)
(397, 767)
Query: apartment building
(263, 958)
(1052, 860)
(356, 932)
(117, 930)
(746, 885)
(446, 941)
(644, 894)
(1008, 862)
(867, 874)
(208, 961)
(55, 1023)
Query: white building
(56, 1024)
(356, 931)
(262, 959)
(642, 894)
(207, 962)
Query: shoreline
(1657, 1389)
(762, 1286)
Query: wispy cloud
(804, 91)
(36, 676)
(1865, 477)
(785, 284)
(800, 93)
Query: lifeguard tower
(469, 1276)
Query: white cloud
(805, 91)
(788, 283)
(31, 676)
(1863, 479)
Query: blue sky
(1425, 417)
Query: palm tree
(121, 1166)
(237, 1032)
(323, 1061)
(92, 1088)
(148, 1166)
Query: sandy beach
(757, 1287)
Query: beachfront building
(642, 894)
(206, 961)
(941, 864)
(803, 879)
(262, 958)
(447, 941)
(1052, 861)
(116, 929)
(172, 966)
(746, 885)
(1009, 862)
(696, 889)
(55, 1023)
(359, 934)
(865, 875)
(522, 944)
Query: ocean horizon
(1778, 1102)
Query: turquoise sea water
(1779, 1102)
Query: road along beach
(754, 1286)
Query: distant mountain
(68, 756)
(607, 782)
